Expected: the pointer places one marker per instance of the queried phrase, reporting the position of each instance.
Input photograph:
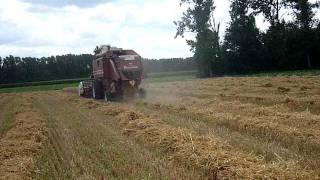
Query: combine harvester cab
(116, 74)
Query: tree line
(168, 65)
(27, 69)
(291, 43)
(30, 69)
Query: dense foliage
(288, 43)
(197, 19)
(17, 69)
(242, 47)
(28, 69)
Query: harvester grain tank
(116, 73)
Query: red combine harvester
(116, 74)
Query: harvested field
(224, 128)
(21, 138)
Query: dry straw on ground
(22, 142)
(223, 128)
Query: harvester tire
(97, 90)
(142, 93)
(107, 96)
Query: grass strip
(7, 113)
(38, 88)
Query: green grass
(170, 79)
(171, 76)
(37, 88)
(42, 83)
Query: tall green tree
(275, 38)
(242, 41)
(305, 21)
(316, 48)
(217, 62)
(269, 8)
(275, 41)
(303, 13)
(197, 19)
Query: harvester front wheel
(107, 96)
(97, 90)
(142, 93)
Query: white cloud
(33, 29)
(147, 28)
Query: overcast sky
(52, 27)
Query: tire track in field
(86, 144)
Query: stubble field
(223, 128)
